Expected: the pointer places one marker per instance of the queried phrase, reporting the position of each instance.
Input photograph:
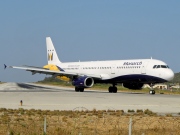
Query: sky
(87, 31)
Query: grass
(149, 112)
(86, 122)
(131, 111)
(139, 111)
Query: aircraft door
(113, 68)
(143, 69)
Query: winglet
(5, 66)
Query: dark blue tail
(5, 66)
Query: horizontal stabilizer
(5, 66)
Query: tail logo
(50, 56)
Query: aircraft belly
(138, 78)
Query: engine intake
(85, 82)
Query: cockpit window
(163, 66)
(160, 66)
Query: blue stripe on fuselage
(134, 78)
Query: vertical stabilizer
(52, 56)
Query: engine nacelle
(134, 86)
(85, 82)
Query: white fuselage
(122, 69)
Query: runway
(35, 96)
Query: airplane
(133, 74)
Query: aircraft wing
(54, 73)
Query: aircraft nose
(170, 75)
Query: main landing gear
(152, 91)
(113, 89)
(77, 89)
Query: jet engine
(134, 86)
(85, 82)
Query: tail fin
(52, 56)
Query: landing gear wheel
(81, 89)
(152, 92)
(110, 89)
(114, 89)
(76, 89)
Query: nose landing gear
(152, 91)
